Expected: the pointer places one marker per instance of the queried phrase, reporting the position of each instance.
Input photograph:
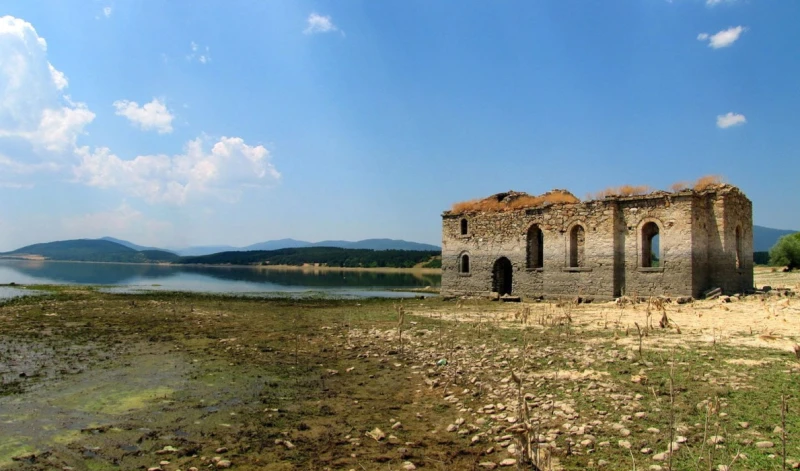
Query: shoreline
(307, 268)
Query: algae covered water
(238, 280)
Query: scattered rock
(765, 444)
(376, 434)
(508, 462)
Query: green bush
(786, 252)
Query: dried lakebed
(179, 381)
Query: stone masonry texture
(601, 249)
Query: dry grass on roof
(624, 190)
(513, 202)
(707, 181)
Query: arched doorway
(501, 276)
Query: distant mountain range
(371, 244)
(765, 237)
(91, 250)
(108, 250)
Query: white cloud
(153, 115)
(712, 3)
(223, 172)
(107, 12)
(200, 54)
(723, 38)
(730, 119)
(33, 106)
(319, 24)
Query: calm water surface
(239, 280)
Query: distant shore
(305, 268)
(311, 268)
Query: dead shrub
(512, 201)
(707, 181)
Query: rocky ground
(171, 381)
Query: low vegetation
(786, 252)
(178, 381)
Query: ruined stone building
(679, 243)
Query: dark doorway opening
(501, 276)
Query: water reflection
(214, 279)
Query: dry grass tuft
(624, 190)
(707, 181)
(679, 186)
(512, 201)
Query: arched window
(651, 246)
(577, 239)
(738, 247)
(535, 247)
(463, 266)
(464, 227)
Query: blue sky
(178, 123)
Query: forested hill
(90, 250)
(328, 256)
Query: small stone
(289, 445)
(777, 430)
(716, 440)
(220, 450)
(452, 428)
(660, 456)
(624, 444)
(602, 463)
(624, 432)
(655, 467)
(653, 430)
(222, 464)
(376, 434)
(508, 462)
(764, 444)
(407, 465)
(396, 425)
(744, 424)
(487, 465)
(646, 451)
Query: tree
(786, 252)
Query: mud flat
(174, 381)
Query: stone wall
(697, 250)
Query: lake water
(237, 280)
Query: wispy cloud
(712, 3)
(317, 23)
(730, 119)
(153, 115)
(200, 54)
(107, 12)
(724, 38)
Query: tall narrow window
(464, 265)
(651, 246)
(577, 238)
(738, 247)
(464, 227)
(535, 247)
